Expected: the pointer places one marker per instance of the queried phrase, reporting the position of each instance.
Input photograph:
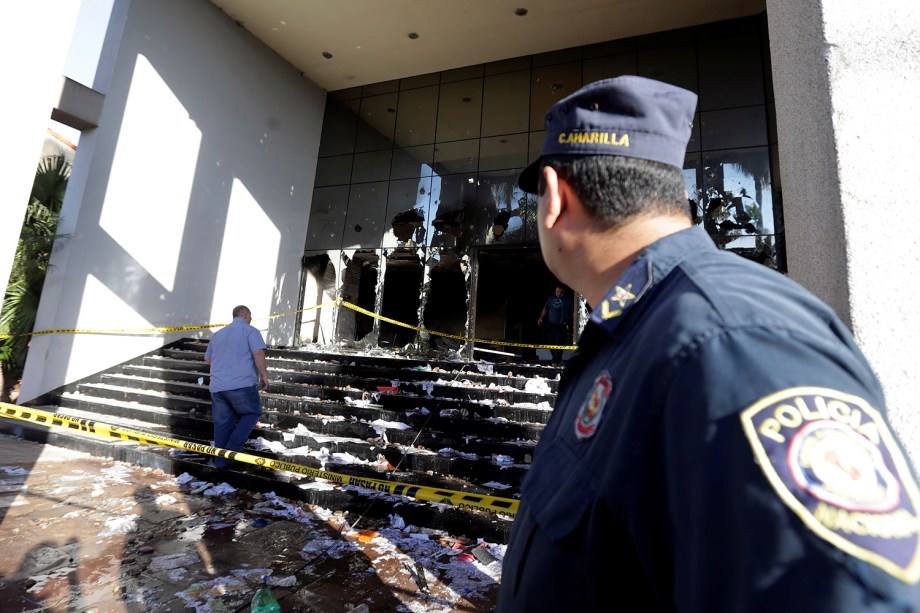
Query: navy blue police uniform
(719, 443)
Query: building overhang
(340, 45)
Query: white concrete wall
(846, 75)
(34, 38)
(191, 197)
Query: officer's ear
(552, 195)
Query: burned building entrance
(416, 204)
(512, 287)
(506, 289)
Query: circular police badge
(589, 416)
(832, 459)
(838, 466)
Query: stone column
(846, 78)
(37, 34)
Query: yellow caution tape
(460, 500)
(151, 330)
(339, 302)
(355, 307)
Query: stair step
(446, 424)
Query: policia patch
(833, 460)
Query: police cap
(629, 116)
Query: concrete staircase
(463, 426)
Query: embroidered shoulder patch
(833, 460)
(589, 415)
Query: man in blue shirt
(557, 313)
(236, 354)
(719, 442)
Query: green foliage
(30, 264)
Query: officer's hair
(239, 311)
(615, 188)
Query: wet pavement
(80, 533)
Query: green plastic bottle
(264, 601)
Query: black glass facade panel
(327, 217)
(411, 162)
(462, 74)
(377, 121)
(375, 89)
(371, 166)
(457, 157)
(506, 103)
(503, 152)
(675, 65)
(334, 170)
(417, 117)
(733, 128)
(365, 222)
(548, 85)
(424, 80)
(432, 160)
(459, 110)
(340, 124)
(731, 72)
(512, 65)
(609, 66)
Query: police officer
(719, 442)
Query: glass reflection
(737, 202)
(461, 191)
(500, 210)
(408, 218)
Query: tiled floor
(81, 534)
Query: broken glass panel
(407, 215)
(500, 209)
(737, 201)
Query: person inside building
(556, 317)
(236, 354)
(719, 442)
